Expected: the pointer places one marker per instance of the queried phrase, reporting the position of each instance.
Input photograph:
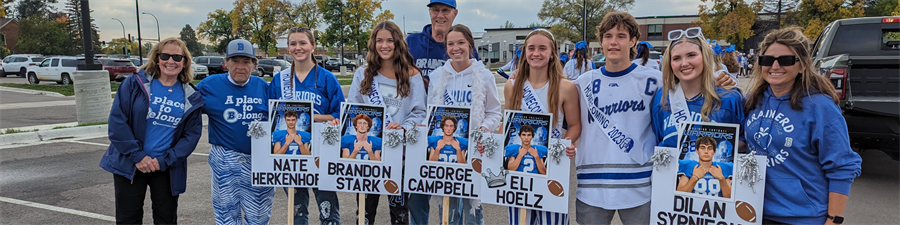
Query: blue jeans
(461, 210)
(329, 212)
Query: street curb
(33, 92)
(47, 135)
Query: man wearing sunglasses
(235, 99)
(695, 32)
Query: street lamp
(123, 36)
(158, 37)
(583, 20)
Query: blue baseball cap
(240, 47)
(451, 3)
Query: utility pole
(137, 12)
(584, 21)
(86, 35)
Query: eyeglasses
(445, 11)
(784, 60)
(299, 29)
(692, 32)
(164, 57)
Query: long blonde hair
(152, 67)
(807, 82)
(707, 80)
(554, 73)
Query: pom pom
(255, 130)
(661, 158)
(556, 151)
(749, 170)
(331, 134)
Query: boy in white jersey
(612, 166)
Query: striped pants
(535, 217)
(232, 191)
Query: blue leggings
(232, 191)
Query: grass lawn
(67, 90)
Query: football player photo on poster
(442, 164)
(291, 127)
(355, 163)
(284, 155)
(525, 171)
(705, 181)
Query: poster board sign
(361, 162)
(442, 164)
(285, 156)
(522, 173)
(700, 183)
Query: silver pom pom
(749, 170)
(476, 135)
(490, 144)
(331, 134)
(393, 138)
(412, 135)
(255, 130)
(557, 148)
(661, 158)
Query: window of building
(654, 32)
(3, 39)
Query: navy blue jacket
(428, 53)
(128, 125)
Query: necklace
(694, 98)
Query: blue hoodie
(428, 53)
(808, 154)
(128, 126)
(320, 86)
(731, 110)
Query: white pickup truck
(59, 69)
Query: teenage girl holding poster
(540, 86)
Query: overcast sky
(477, 14)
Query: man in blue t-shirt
(705, 177)
(290, 141)
(361, 146)
(526, 157)
(447, 148)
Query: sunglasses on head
(299, 29)
(784, 60)
(164, 57)
(692, 32)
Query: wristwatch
(836, 219)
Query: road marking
(90, 143)
(25, 105)
(49, 142)
(58, 209)
(199, 154)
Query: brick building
(9, 33)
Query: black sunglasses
(164, 57)
(784, 60)
(299, 29)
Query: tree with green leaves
(114, 47)
(813, 16)
(38, 35)
(28, 8)
(261, 17)
(882, 8)
(73, 10)
(779, 7)
(305, 13)
(731, 20)
(354, 19)
(190, 39)
(5, 9)
(508, 25)
(219, 30)
(565, 16)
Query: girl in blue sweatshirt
(795, 121)
(307, 81)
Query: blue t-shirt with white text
(166, 112)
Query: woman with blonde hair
(689, 92)
(154, 125)
(795, 121)
(540, 86)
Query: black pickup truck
(862, 58)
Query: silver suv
(19, 63)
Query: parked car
(119, 69)
(865, 75)
(200, 72)
(19, 63)
(287, 58)
(599, 60)
(137, 61)
(321, 60)
(59, 69)
(271, 66)
(215, 64)
(334, 64)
